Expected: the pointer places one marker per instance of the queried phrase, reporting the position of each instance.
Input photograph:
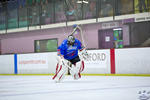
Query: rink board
(7, 64)
(36, 63)
(130, 61)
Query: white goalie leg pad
(61, 70)
(73, 70)
(77, 69)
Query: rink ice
(86, 88)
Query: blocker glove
(83, 54)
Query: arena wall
(106, 61)
(23, 42)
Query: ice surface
(86, 88)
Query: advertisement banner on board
(98, 59)
(33, 61)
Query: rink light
(79, 1)
(83, 2)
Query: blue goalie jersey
(69, 51)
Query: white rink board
(37, 63)
(7, 64)
(98, 62)
(127, 61)
(45, 63)
(132, 61)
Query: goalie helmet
(71, 39)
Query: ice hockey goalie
(70, 56)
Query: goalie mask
(71, 39)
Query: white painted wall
(132, 61)
(7, 64)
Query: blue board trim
(15, 64)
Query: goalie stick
(83, 54)
(77, 27)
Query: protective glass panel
(124, 7)
(141, 6)
(73, 10)
(12, 14)
(34, 15)
(89, 9)
(23, 22)
(59, 11)
(47, 12)
(2, 17)
(106, 8)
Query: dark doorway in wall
(140, 34)
(105, 38)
